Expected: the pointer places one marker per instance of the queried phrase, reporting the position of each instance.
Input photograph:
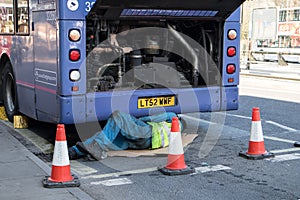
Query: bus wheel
(9, 92)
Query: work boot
(72, 154)
(95, 151)
(77, 151)
(297, 144)
(83, 150)
(81, 147)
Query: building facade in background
(271, 25)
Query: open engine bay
(148, 54)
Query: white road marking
(285, 150)
(269, 122)
(281, 126)
(211, 168)
(279, 139)
(113, 182)
(116, 174)
(138, 171)
(81, 169)
(285, 157)
(239, 116)
(243, 117)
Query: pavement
(21, 173)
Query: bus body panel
(46, 77)
(230, 94)
(72, 109)
(234, 59)
(5, 46)
(22, 62)
(65, 64)
(74, 10)
(100, 105)
(230, 98)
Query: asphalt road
(220, 172)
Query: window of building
(289, 15)
(23, 18)
(296, 16)
(284, 41)
(7, 17)
(282, 16)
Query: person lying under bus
(123, 131)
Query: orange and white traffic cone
(256, 149)
(61, 170)
(176, 163)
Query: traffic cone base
(297, 144)
(256, 156)
(171, 172)
(49, 183)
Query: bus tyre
(9, 90)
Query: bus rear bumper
(99, 106)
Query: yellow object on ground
(20, 121)
(3, 114)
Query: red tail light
(231, 51)
(230, 69)
(74, 55)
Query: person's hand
(127, 49)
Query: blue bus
(77, 61)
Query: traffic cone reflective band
(256, 149)
(61, 170)
(175, 164)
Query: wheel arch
(3, 60)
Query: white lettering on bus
(88, 5)
(46, 77)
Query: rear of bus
(149, 57)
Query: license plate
(151, 102)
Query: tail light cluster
(74, 55)
(231, 52)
